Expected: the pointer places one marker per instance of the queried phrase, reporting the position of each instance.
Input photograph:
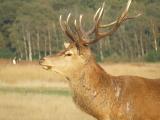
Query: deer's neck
(90, 88)
(91, 77)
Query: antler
(115, 24)
(80, 32)
(65, 27)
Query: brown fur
(95, 93)
(109, 97)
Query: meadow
(27, 92)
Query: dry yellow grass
(148, 70)
(30, 72)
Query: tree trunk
(122, 39)
(56, 37)
(25, 42)
(38, 45)
(137, 45)
(20, 53)
(29, 46)
(25, 47)
(45, 46)
(141, 43)
(154, 36)
(101, 50)
(49, 42)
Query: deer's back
(137, 97)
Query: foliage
(5, 53)
(153, 56)
(31, 29)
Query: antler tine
(108, 25)
(68, 27)
(124, 14)
(96, 14)
(75, 23)
(65, 28)
(114, 22)
(97, 17)
(80, 25)
(67, 22)
(101, 12)
(79, 30)
(128, 6)
(94, 19)
(60, 21)
(76, 27)
(80, 19)
(68, 17)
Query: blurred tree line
(29, 29)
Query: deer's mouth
(46, 67)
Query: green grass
(37, 90)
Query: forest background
(29, 29)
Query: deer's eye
(68, 54)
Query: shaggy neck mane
(89, 86)
(91, 76)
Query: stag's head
(77, 52)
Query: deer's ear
(66, 45)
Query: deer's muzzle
(45, 66)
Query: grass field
(27, 92)
(38, 107)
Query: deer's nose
(42, 60)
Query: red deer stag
(99, 94)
